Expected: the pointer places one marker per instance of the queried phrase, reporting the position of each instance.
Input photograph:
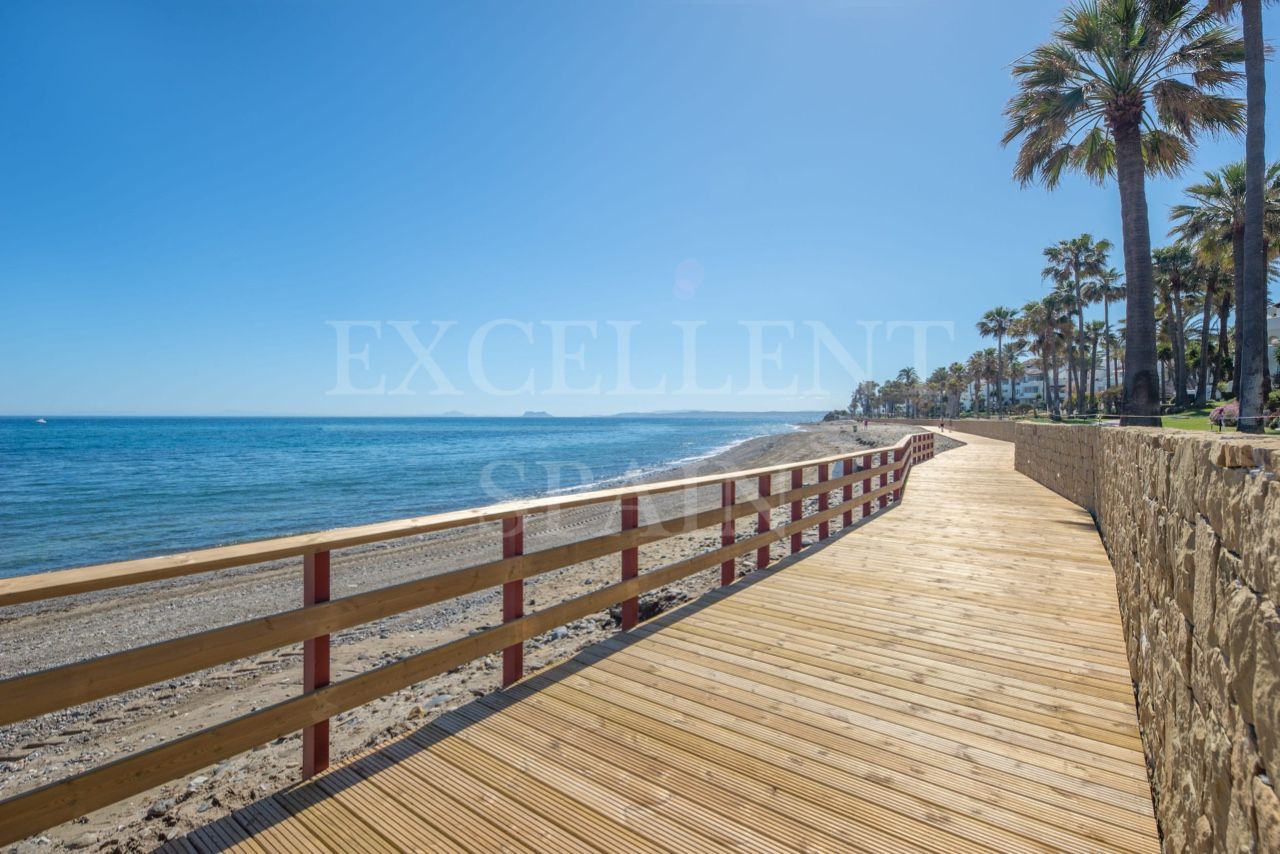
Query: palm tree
(1014, 368)
(1106, 288)
(909, 380)
(1209, 272)
(957, 379)
(1095, 330)
(1071, 264)
(1215, 212)
(1251, 323)
(1172, 268)
(1123, 88)
(1033, 323)
(996, 324)
(978, 369)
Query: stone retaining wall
(1192, 524)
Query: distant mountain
(453, 413)
(536, 413)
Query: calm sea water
(77, 491)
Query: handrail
(66, 582)
(53, 689)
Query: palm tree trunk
(1084, 355)
(1179, 350)
(1224, 351)
(1106, 343)
(1070, 375)
(1237, 256)
(1251, 312)
(1141, 399)
(1000, 372)
(1202, 384)
(1093, 374)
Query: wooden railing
(882, 473)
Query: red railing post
(899, 456)
(824, 498)
(728, 531)
(884, 479)
(848, 491)
(866, 486)
(762, 520)
(512, 599)
(315, 663)
(797, 508)
(630, 561)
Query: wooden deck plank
(951, 676)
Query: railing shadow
(223, 833)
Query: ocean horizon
(96, 489)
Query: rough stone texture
(1192, 524)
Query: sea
(77, 491)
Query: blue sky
(191, 193)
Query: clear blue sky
(190, 191)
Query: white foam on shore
(633, 475)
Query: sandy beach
(43, 635)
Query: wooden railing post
(315, 663)
(630, 561)
(866, 486)
(824, 498)
(900, 456)
(512, 599)
(884, 479)
(763, 519)
(797, 508)
(848, 491)
(728, 531)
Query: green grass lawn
(1196, 419)
(1191, 419)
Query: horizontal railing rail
(882, 473)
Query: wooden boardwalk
(948, 677)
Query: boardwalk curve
(949, 676)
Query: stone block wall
(1192, 524)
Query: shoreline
(46, 634)
(188, 541)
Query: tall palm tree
(1215, 212)
(1034, 323)
(1107, 287)
(1251, 323)
(1123, 88)
(1071, 264)
(910, 380)
(1014, 368)
(996, 324)
(976, 368)
(1173, 267)
(1210, 272)
(1095, 330)
(957, 379)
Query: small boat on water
(41, 421)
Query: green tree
(1071, 266)
(1173, 269)
(1107, 287)
(909, 379)
(996, 324)
(1123, 88)
(1215, 213)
